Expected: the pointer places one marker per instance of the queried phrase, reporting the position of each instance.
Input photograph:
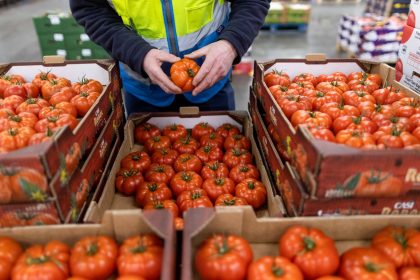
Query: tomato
(322, 98)
(4, 83)
(142, 256)
(148, 192)
(94, 257)
(374, 183)
(366, 263)
(201, 129)
(415, 120)
(196, 198)
(12, 102)
(355, 138)
(401, 123)
(272, 268)
(400, 245)
(236, 156)
(354, 98)
(168, 204)
(416, 133)
(244, 171)
(253, 191)
(136, 160)
(410, 273)
(164, 156)
(88, 86)
(363, 85)
(32, 91)
(305, 77)
(15, 138)
(357, 123)
(65, 94)
(49, 111)
(291, 103)
(227, 129)
(41, 137)
(406, 107)
(54, 122)
(213, 140)
(24, 119)
(336, 76)
(53, 86)
(388, 95)
(230, 200)
(159, 173)
(10, 251)
(185, 181)
(367, 108)
(376, 78)
(311, 118)
(311, 250)
(337, 86)
(276, 78)
(49, 262)
(32, 105)
(393, 137)
(302, 86)
(175, 132)
(156, 143)
(188, 162)
(214, 169)
(237, 141)
(278, 91)
(183, 73)
(186, 145)
(208, 153)
(322, 133)
(128, 180)
(42, 77)
(179, 224)
(145, 131)
(83, 101)
(223, 257)
(5, 113)
(330, 278)
(215, 187)
(66, 108)
(15, 89)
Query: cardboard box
(115, 224)
(412, 82)
(109, 199)
(414, 14)
(320, 164)
(264, 234)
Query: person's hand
(219, 58)
(151, 65)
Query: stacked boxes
(288, 13)
(387, 7)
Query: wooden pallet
(276, 27)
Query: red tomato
(214, 169)
(52, 86)
(136, 160)
(188, 162)
(201, 129)
(83, 101)
(193, 199)
(253, 191)
(305, 77)
(32, 105)
(363, 85)
(227, 129)
(174, 132)
(148, 192)
(406, 107)
(186, 145)
(274, 268)
(159, 173)
(55, 122)
(322, 98)
(234, 157)
(128, 181)
(335, 110)
(388, 95)
(145, 131)
(185, 181)
(164, 156)
(301, 87)
(410, 273)
(355, 138)
(88, 86)
(208, 153)
(393, 137)
(309, 118)
(279, 91)
(292, 103)
(12, 102)
(354, 98)
(322, 133)
(359, 123)
(237, 141)
(43, 77)
(156, 143)
(213, 140)
(215, 187)
(15, 89)
(244, 171)
(276, 78)
(230, 200)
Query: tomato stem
(309, 243)
(251, 185)
(229, 202)
(152, 187)
(191, 73)
(371, 267)
(219, 181)
(244, 168)
(34, 261)
(277, 271)
(92, 249)
(400, 238)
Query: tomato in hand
(185, 181)
(236, 156)
(213, 140)
(253, 191)
(151, 191)
(227, 129)
(196, 198)
(244, 171)
(201, 129)
(136, 160)
(128, 180)
(84, 101)
(156, 143)
(272, 268)
(209, 153)
(215, 187)
(164, 156)
(188, 162)
(183, 72)
(230, 200)
(145, 131)
(159, 173)
(214, 169)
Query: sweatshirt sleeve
(104, 26)
(245, 21)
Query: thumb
(198, 53)
(164, 56)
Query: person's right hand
(151, 65)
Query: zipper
(170, 30)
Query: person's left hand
(219, 58)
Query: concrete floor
(18, 41)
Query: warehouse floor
(18, 41)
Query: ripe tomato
(223, 257)
(322, 133)
(276, 78)
(401, 123)
(55, 122)
(156, 143)
(186, 145)
(88, 86)
(15, 89)
(367, 108)
(337, 86)
(305, 77)
(164, 156)
(374, 183)
(280, 91)
(214, 169)
(354, 123)
(175, 132)
(366, 263)
(410, 273)
(168, 204)
(179, 224)
(201, 129)
(236, 156)
(227, 129)
(159, 173)
(49, 261)
(237, 141)
(32, 105)
(230, 200)
(355, 138)
(10, 251)
(208, 153)
(291, 103)
(311, 250)
(311, 118)
(141, 256)
(128, 180)
(213, 140)
(148, 192)
(388, 95)
(188, 162)
(302, 86)
(145, 131)
(416, 133)
(406, 107)
(272, 268)
(185, 181)
(215, 187)
(336, 76)
(4, 83)
(354, 98)
(322, 98)
(253, 191)
(42, 77)
(363, 85)
(330, 278)
(183, 72)
(83, 101)
(244, 171)
(65, 94)
(24, 119)
(196, 198)
(5, 113)
(15, 138)
(94, 257)
(52, 86)
(136, 160)
(415, 120)
(12, 102)
(365, 76)
(32, 91)
(393, 137)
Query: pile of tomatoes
(351, 110)
(308, 253)
(182, 169)
(30, 112)
(92, 257)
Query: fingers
(204, 71)
(167, 57)
(198, 53)
(210, 79)
(157, 76)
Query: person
(147, 36)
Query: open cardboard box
(109, 199)
(116, 224)
(264, 233)
(323, 165)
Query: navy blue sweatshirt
(105, 27)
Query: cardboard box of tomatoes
(122, 243)
(305, 248)
(332, 170)
(295, 197)
(155, 181)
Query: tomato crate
(263, 234)
(108, 198)
(329, 170)
(297, 200)
(69, 149)
(118, 225)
